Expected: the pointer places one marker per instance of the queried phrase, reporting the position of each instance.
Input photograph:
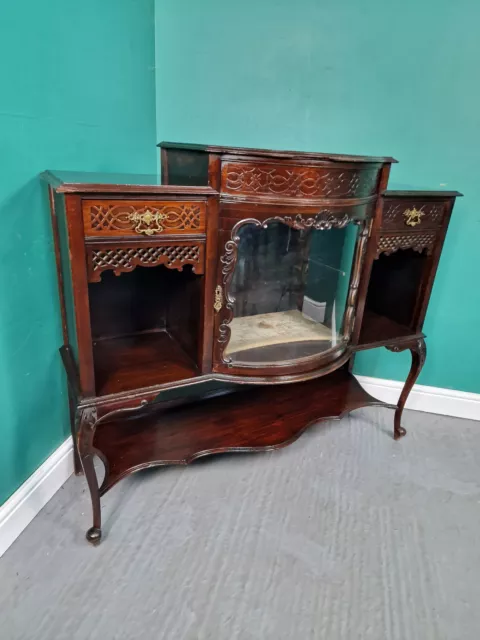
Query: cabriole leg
(94, 534)
(85, 443)
(419, 352)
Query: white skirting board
(33, 495)
(445, 402)
(20, 509)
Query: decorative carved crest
(321, 221)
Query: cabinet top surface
(422, 194)
(90, 182)
(272, 153)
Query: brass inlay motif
(147, 222)
(413, 217)
(218, 299)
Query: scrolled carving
(122, 259)
(228, 261)
(349, 318)
(388, 244)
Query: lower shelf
(379, 330)
(141, 360)
(254, 419)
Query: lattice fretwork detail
(416, 241)
(126, 259)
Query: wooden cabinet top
(122, 183)
(421, 194)
(269, 153)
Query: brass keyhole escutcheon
(218, 299)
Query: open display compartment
(405, 260)
(394, 296)
(146, 327)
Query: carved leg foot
(94, 534)
(419, 353)
(398, 430)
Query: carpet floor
(344, 535)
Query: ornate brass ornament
(218, 299)
(147, 222)
(413, 217)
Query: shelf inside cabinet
(141, 360)
(378, 330)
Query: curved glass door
(288, 292)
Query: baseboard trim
(445, 402)
(20, 509)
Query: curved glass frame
(288, 288)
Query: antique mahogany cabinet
(221, 310)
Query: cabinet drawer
(285, 180)
(404, 214)
(142, 218)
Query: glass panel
(290, 288)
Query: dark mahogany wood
(144, 272)
(379, 331)
(418, 350)
(143, 218)
(258, 419)
(267, 153)
(404, 263)
(111, 183)
(139, 361)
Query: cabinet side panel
(371, 252)
(184, 167)
(64, 272)
(424, 296)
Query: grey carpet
(346, 534)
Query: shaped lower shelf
(254, 419)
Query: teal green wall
(369, 77)
(77, 92)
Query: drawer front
(299, 181)
(403, 214)
(142, 218)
